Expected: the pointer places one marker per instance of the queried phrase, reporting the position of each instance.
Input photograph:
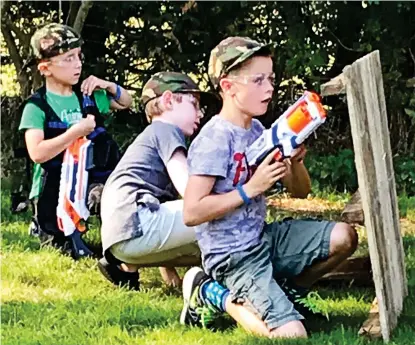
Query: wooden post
(367, 110)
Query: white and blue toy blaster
(290, 130)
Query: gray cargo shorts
(286, 249)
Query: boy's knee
(343, 239)
(292, 329)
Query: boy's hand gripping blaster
(290, 130)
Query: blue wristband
(117, 93)
(243, 195)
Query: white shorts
(165, 237)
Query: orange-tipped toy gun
(290, 130)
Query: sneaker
(195, 312)
(79, 247)
(116, 276)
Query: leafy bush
(405, 174)
(338, 172)
(333, 171)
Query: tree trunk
(81, 16)
(72, 13)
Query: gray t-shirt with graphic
(218, 151)
(140, 177)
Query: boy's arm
(177, 170)
(123, 102)
(92, 83)
(41, 150)
(201, 206)
(297, 181)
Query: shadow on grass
(345, 321)
(15, 236)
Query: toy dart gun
(290, 130)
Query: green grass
(47, 298)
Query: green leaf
(410, 112)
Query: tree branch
(11, 46)
(24, 39)
(22, 76)
(4, 7)
(73, 10)
(81, 15)
(340, 42)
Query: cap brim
(245, 56)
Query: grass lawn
(47, 298)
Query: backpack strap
(39, 99)
(87, 104)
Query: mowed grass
(47, 298)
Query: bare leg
(167, 268)
(343, 243)
(254, 325)
(170, 276)
(129, 267)
(292, 329)
(247, 319)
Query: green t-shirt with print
(68, 110)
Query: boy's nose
(79, 60)
(270, 86)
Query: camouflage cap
(231, 52)
(173, 81)
(54, 39)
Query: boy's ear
(226, 86)
(167, 99)
(43, 68)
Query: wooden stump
(353, 212)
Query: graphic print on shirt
(71, 116)
(241, 167)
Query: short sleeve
(32, 117)
(209, 154)
(168, 140)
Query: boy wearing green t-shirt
(61, 112)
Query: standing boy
(58, 114)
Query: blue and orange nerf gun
(290, 130)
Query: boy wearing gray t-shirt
(141, 217)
